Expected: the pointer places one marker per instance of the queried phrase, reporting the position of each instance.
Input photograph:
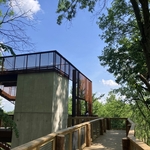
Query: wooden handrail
(35, 144)
(131, 142)
(92, 129)
(58, 137)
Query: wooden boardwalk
(111, 140)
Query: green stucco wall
(41, 105)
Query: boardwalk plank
(111, 140)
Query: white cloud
(109, 82)
(29, 7)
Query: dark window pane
(20, 62)
(7, 63)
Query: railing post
(60, 142)
(79, 139)
(108, 123)
(104, 124)
(70, 141)
(125, 143)
(128, 125)
(101, 127)
(88, 135)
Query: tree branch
(138, 17)
(145, 10)
(142, 112)
(143, 79)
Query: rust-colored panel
(85, 91)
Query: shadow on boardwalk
(111, 140)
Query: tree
(124, 55)
(14, 19)
(128, 20)
(116, 107)
(7, 121)
(97, 106)
(126, 32)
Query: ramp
(7, 96)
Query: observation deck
(11, 66)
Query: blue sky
(78, 41)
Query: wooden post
(92, 130)
(108, 123)
(79, 139)
(125, 144)
(60, 142)
(70, 140)
(104, 124)
(128, 126)
(101, 127)
(88, 135)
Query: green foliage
(113, 107)
(13, 27)
(122, 45)
(70, 106)
(68, 8)
(116, 107)
(3, 1)
(6, 13)
(142, 122)
(97, 106)
(126, 32)
(8, 122)
(7, 48)
(10, 112)
(6, 17)
(11, 13)
(125, 58)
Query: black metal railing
(37, 61)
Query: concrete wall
(41, 105)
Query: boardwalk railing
(81, 135)
(130, 142)
(116, 123)
(79, 119)
(72, 138)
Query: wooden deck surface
(111, 140)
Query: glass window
(58, 61)
(33, 61)
(46, 60)
(7, 63)
(20, 62)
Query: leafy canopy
(68, 8)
